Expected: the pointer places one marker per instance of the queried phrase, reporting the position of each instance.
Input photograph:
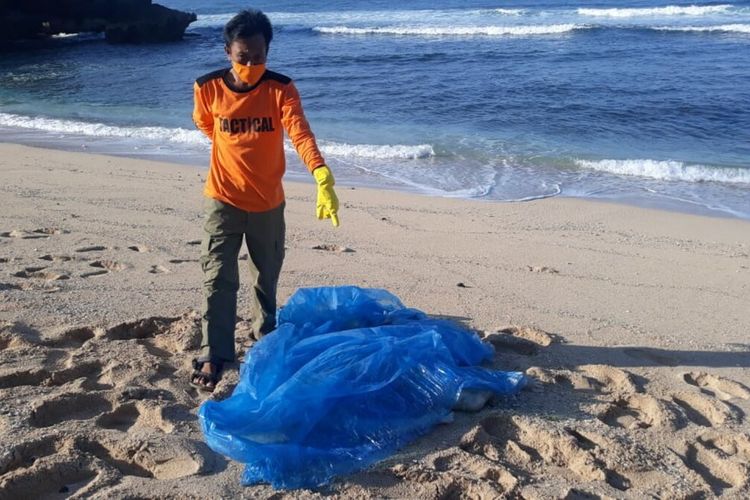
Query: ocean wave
(549, 29)
(444, 19)
(196, 138)
(211, 20)
(509, 12)
(54, 125)
(373, 151)
(669, 10)
(480, 184)
(669, 170)
(450, 16)
(724, 28)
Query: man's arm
(298, 130)
(202, 115)
(296, 126)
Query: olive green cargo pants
(225, 227)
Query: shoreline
(631, 323)
(295, 170)
(186, 180)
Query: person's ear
(228, 52)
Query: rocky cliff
(122, 21)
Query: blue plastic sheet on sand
(349, 376)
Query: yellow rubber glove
(328, 202)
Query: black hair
(246, 24)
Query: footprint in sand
(140, 329)
(159, 269)
(76, 370)
(51, 231)
(139, 248)
(36, 233)
(165, 336)
(182, 261)
(602, 379)
(704, 411)
(122, 418)
(637, 411)
(90, 274)
(142, 414)
(123, 465)
(609, 380)
(50, 376)
(504, 342)
(94, 248)
(523, 340)
(173, 458)
(721, 387)
(63, 258)
(720, 473)
(41, 273)
(68, 407)
(25, 454)
(524, 443)
(333, 248)
(59, 475)
(72, 338)
(21, 377)
(455, 473)
(730, 444)
(37, 377)
(109, 265)
(542, 269)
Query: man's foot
(206, 375)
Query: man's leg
(221, 246)
(265, 235)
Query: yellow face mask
(249, 74)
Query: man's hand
(328, 202)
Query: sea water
(642, 101)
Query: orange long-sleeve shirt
(247, 138)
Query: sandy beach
(631, 323)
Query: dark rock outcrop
(122, 21)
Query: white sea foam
(509, 12)
(481, 182)
(549, 29)
(54, 125)
(725, 28)
(380, 17)
(444, 19)
(372, 151)
(376, 151)
(195, 137)
(211, 20)
(669, 10)
(670, 170)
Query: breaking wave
(725, 28)
(670, 170)
(549, 29)
(55, 125)
(669, 10)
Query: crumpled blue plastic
(349, 376)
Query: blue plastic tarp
(349, 376)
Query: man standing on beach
(244, 111)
